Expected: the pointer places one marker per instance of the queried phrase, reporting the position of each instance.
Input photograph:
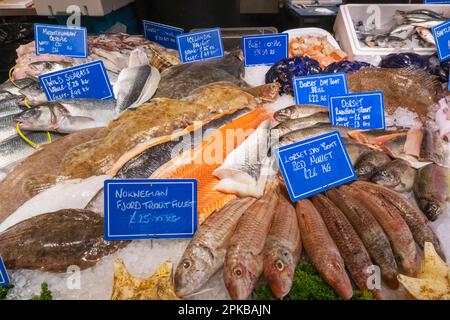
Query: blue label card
(61, 40)
(202, 45)
(441, 35)
(4, 279)
(364, 110)
(265, 49)
(88, 80)
(315, 165)
(160, 33)
(318, 89)
(437, 1)
(152, 208)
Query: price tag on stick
(160, 33)
(315, 165)
(202, 45)
(61, 40)
(88, 80)
(152, 208)
(4, 279)
(265, 49)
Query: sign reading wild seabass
(152, 208)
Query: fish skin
(426, 35)
(414, 218)
(369, 164)
(5, 95)
(7, 127)
(54, 241)
(397, 175)
(401, 239)
(434, 149)
(297, 124)
(244, 258)
(307, 133)
(39, 67)
(321, 249)
(395, 148)
(298, 111)
(11, 105)
(18, 84)
(355, 150)
(205, 254)
(282, 249)
(34, 93)
(375, 137)
(432, 190)
(370, 232)
(355, 255)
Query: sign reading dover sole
(265, 49)
(147, 209)
(160, 33)
(198, 46)
(61, 40)
(315, 165)
(88, 80)
(4, 279)
(317, 89)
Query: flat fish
(321, 249)
(244, 258)
(39, 172)
(355, 255)
(205, 254)
(178, 81)
(401, 239)
(54, 241)
(282, 249)
(72, 194)
(370, 232)
(414, 218)
(240, 173)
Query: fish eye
(285, 253)
(280, 265)
(237, 271)
(186, 264)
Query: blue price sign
(61, 40)
(441, 35)
(315, 165)
(88, 80)
(318, 89)
(147, 209)
(364, 110)
(198, 46)
(163, 34)
(4, 279)
(265, 49)
(437, 1)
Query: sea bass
(432, 190)
(7, 127)
(414, 218)
(298, 111)
(355, 255)
(54, 241)
(282, 249)
(307, 133)
(205, 254)
(301, 123)
(401, 239)
(18, 84)
(11, 105)
(244, 257)
(321, 249)
(370, 232)
(397, 175)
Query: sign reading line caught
(153, 208)
(88, 80)
(315, 165)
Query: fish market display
(432, 190)
(397, 175)
(317, 48)
(205, 254)
(408, 29)
(321, 249)
(43, 243)
(244, 258)
(39, 172)
(282, 249)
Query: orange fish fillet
(201, 166)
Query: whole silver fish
(307, 133)
(7, 127)
(385, 41)
(5, 94)
(34, 93)
(18, 84)
(426, 35)
(40, 67)
(206, 252)
(296, 124)
(298, 111)
(10, 105)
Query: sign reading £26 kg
(152, 208)
(314, 165)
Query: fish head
(42, 117)
(432, 208)
(386, 178)
(240, 275)
(279, 270)
(194, 269)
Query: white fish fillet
(71, 194)
(241, 173)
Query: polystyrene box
(346, 35)
(87, 7)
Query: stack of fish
(410, 29)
